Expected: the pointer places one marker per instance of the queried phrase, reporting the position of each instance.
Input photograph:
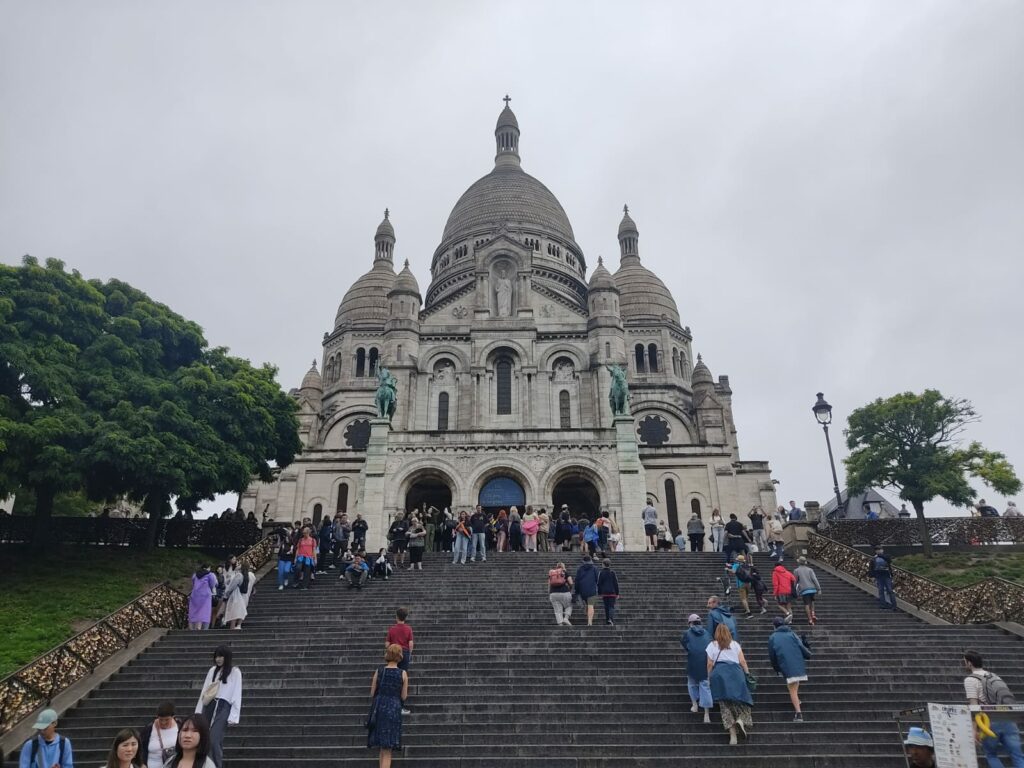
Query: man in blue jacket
(46, 747)
(585, 585)
(721, 614)
(695, 641)
(788, 656)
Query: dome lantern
(506, 136)
(628, 235)
(384, 239)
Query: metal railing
(954, 531)
(116, 531)
(989, 600)
(39, 681)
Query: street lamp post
(823, 413)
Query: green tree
(913, 443)
(145, 409)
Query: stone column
(372, 485)
(632, 483)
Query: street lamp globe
(822, 410)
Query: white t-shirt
(154, 750)
(731, 654)
(974, 688)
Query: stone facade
(502, 379)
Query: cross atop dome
(507, 99)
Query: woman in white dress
(237, 588)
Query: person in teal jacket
(788, 656)
(695, 641)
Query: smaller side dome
(602, 279)
(701, 373)
(405, 282)
(312, 380)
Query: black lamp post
(823, 413)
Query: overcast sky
(834, 192)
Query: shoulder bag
(210, 691)
(371, 717)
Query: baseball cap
(46, 718)
(919, 737)
(693, 618)
(778, 621)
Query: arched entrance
(428, 492)
(501, 493)
(581, 496)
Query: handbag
(210, 692)
(751, 681)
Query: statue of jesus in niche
(503, 293)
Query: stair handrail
(987, 600)
(53, 671)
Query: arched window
(652, 353)
(564, 414)
(607, 350)
(398, 353)
(318, 512)
(670, 506)
(675, 361)
(640, 367)
(342, 499)
(504, 376)
(442, 412)
(695, 506)
(360, 362)
(374, 356)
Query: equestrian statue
(387, 393)
(618, 395)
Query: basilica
(503, 369)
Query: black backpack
(743, 574)
(35, 750)
(995, 689)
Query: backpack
(996, 691)
(556, 577)
(35, 749)
(743, 574)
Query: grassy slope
(47, 599)
(960, 569)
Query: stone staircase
(495, 683)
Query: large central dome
(507, 194)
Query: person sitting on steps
(357, 572)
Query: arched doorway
(501, 493)
(580, 494)
(428, 492)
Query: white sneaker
(280, 588)
(694, 709)
(707, 717)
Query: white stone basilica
(502, 384)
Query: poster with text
(953, 732)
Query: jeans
(779, 549)
(1008, 737)
(356, 577)
(696, 542)
(700, 693)
(609, 608)
(717, 535)
(479, 546)
(761, 539)
(562, 603)
(461, 549)
(284, 568)
(217, 712)
(884, 584)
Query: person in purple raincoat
(200, 602)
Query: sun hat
(741, 557)
(919, 737)
(46, 718)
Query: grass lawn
(48, 598)
(958, 569)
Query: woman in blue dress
(389, 689)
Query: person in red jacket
(782, 586)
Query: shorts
(809, 598)
(650, 530)
(398, 546)
(801, 679)
(784, 599)
(592, 600)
